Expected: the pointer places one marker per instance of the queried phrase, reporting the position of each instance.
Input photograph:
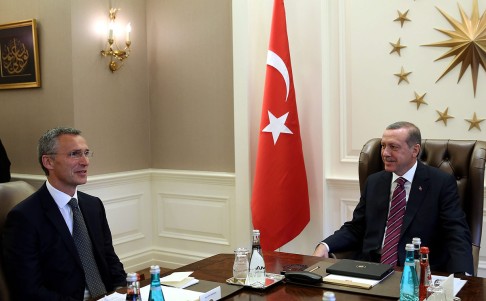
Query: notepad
(179, 280)
(350, 281)
(360, 269)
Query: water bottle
(416, 255)
(133, 288)
(425, 275)
(409, 285)
(156, 293)
(256, 272)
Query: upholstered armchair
(11, 194)
(465, 159)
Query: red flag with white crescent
(280, 199)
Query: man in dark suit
(41, 258)
(432, 212)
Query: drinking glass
(241, 265)
(436, 293)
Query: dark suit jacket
(40, 256)
(433, 214)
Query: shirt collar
(408, 175)
(60, 197)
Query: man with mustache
(431, 210)
(57, 244)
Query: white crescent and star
(277, 124)
(276, 62)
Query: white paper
(173, 294)
(179, 280)
(170, 293)
(214, 294)
(450, 284)
(115, 297)
(352, 280)
(176, 277)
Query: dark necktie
(389, 252)
(85, 250)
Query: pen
(314, 269)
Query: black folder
(360, 269)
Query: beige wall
(191, 84)
(139, 117)
(26, 113)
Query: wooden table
(218, 268)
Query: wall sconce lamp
(116, 55)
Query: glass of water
(241, 265)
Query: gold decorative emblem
(467, 42)
(15, 56)
(467, 48)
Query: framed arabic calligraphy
(19, 55)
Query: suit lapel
(383, 196)
(55, 217)
(417, 195)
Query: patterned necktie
(389, 252)
(83, 244)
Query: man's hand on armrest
(321, 251)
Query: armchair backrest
(11, 193)
(465, 159)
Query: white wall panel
(195, 214)
(126, 218)
(344, 194)
(185, 216)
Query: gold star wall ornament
(443, 116)
(402, 76)
(467, 43)
(402, 18)
(397, 47)
(419, 100)
(474, 122)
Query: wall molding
(202, 177)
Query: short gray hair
(414, 136)
(48, 143)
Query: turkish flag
(280, 199)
